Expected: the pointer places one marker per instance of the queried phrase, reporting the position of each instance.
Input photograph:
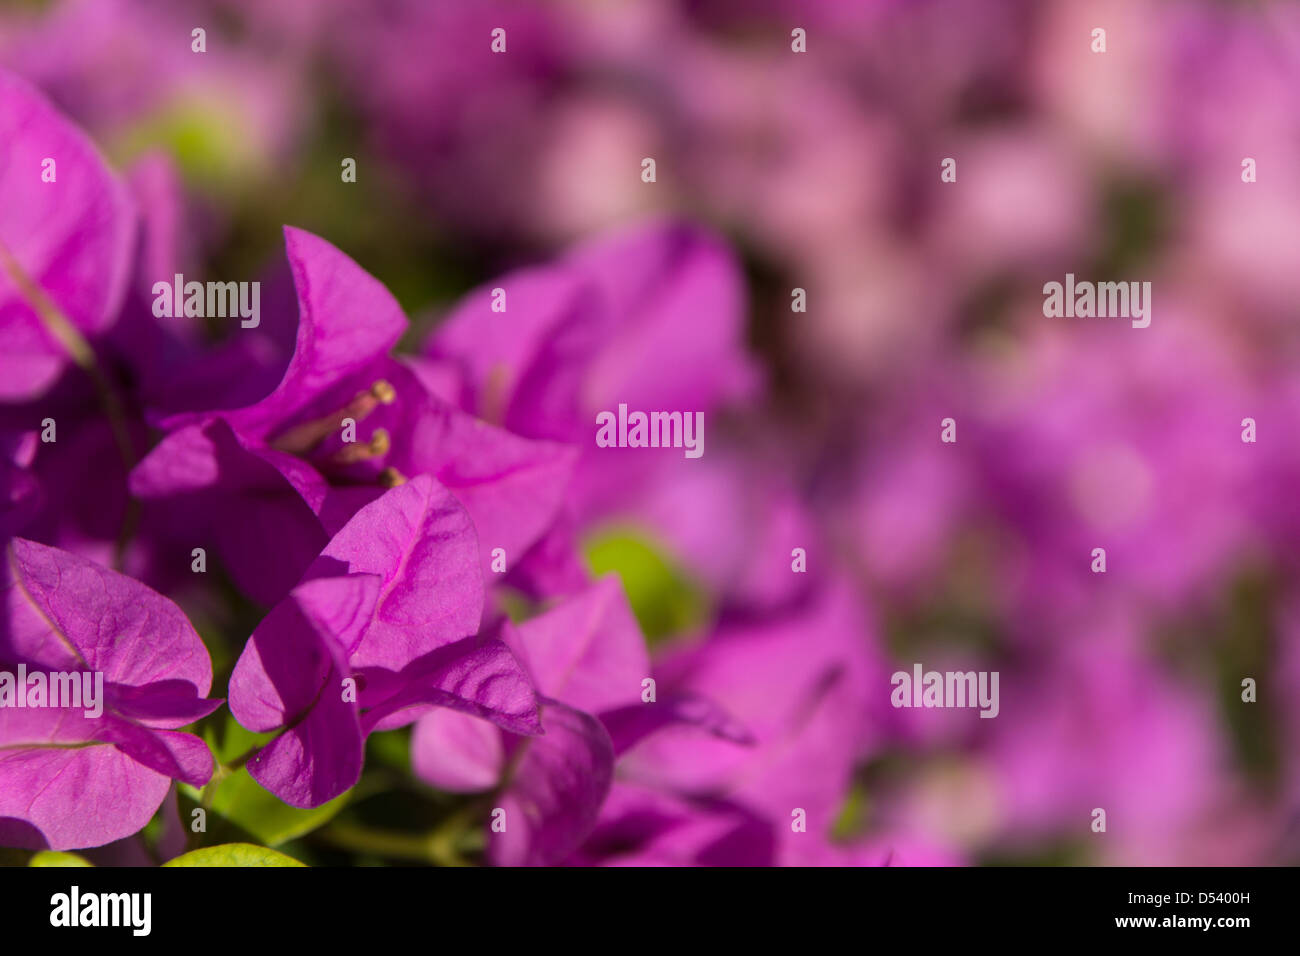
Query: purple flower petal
(523, 368)
(631, 724)
(512, 487)
(66, 612)
(587, 651)
(553, 799)
(243, 498)
(420, 542)
(291, 675)
(73, 796)
(479, 678)
(641, 827)
(67, 779)
(456, 752)
(284, 665)
(346, 321)
(71, 238)
(800, 682)
(681, 343)
(653, 317)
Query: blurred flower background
(779, 171)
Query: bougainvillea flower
(652, 317)
(66, 227)
(644, 827)
(555, 792)
(276, 478)
(640, 826)
(801, 683)
(382, 629)
(588, 661)
(69, 779)
(70, 363)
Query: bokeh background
(821, 171)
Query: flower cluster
(411, 566)
(388, 509)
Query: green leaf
(55, 858)
(233, 854)
(852, 818)
(207, 138)
(663, 598)
(228, 740)
(242, 801)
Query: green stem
(224, 770)
(443, 839)
(437, 846)
(405, 846)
